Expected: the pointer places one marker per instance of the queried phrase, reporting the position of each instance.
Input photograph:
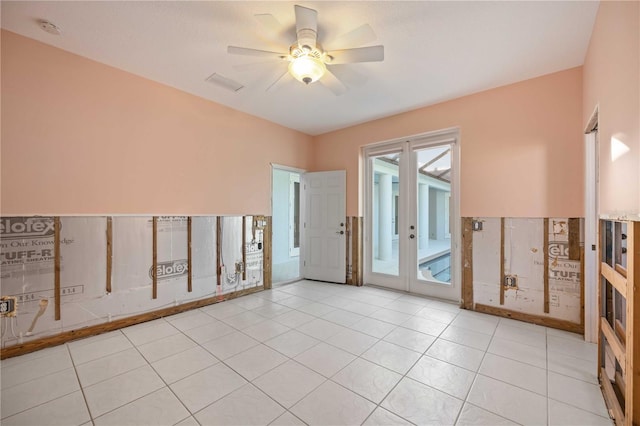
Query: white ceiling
(434, 51)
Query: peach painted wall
(80, 137)
(521, 147)
(612, 82)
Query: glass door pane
(385, 253)
(433, 194)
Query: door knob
(340, 232)
(412, 236)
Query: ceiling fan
(307, 61)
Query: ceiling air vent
(224, 82)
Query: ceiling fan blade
(279, 82)
(357, 37)
(348, 74)
(274, 30)
(359, 54)
(306, 26)
(330, 81)
(234, 50)
(269, 22)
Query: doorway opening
(286, 235)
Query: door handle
(340, 232)
(412, 236)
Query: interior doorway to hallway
(286, 233)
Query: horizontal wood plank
(534, 319)
(67, 336)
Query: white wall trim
(591, 269)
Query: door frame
(300, 172)
(423, 140)
(591, 269)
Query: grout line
(84, 397)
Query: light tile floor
(312, 353)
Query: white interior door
(422, 175)
(324, 250)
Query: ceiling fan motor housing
(307, 38)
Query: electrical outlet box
(8, 306)
(511, 281)
(239, 267)
(476, 225)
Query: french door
(412, 215)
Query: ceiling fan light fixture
(307, 69)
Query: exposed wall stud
(109, 252)
(574, 239)
(266, 253)
(356, 251)
(467, 263)
(502, 260)
(219, 252)
(244, 248)
(155, 258)
(189, 258)
(545, 250)
(56, 279)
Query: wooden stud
(219, 252)
(189, 257)
(356, 250)
(534, 319)
(574, 239)
(266, 253)
(155, 258)
(620, 269)
(348, 244)
(618, 349)
(545, 249)
(619, 381)
(632, 380)
(109, 252)
(617, 280)
(467, 263)
(599, 288)
(582, 319)
(67, 336)
(611, 399)
(502, 260)
(621, 334)
(56, 275)
(244, 248)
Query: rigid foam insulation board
(524, 258)
(84, 266)
(564, 274)
(27, 261)
(253, 250)
(486, 262)
(27, 273)
(204, 259)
